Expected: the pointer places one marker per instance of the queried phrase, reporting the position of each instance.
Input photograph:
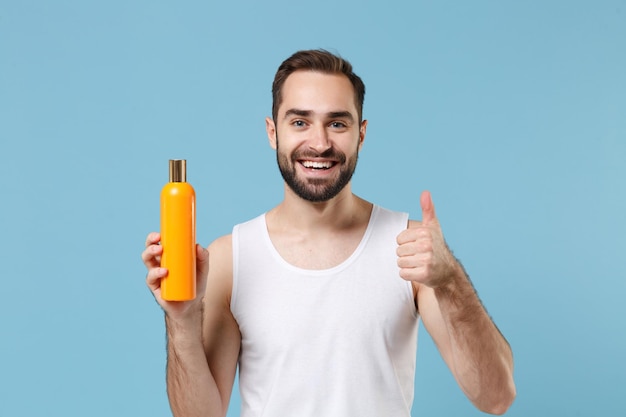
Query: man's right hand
(151, 257)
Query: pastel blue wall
(512, 113)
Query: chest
(283, 313)
(316, 252)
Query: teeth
(317, 164)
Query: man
(318, 299)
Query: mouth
(317, 165)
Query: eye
(338, 125)
(298, 123)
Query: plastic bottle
(178, 235)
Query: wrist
(184, 325)
(457, 283)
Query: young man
(318, 299)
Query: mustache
(330, 153)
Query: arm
(202, 336)
(471, 345)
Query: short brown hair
(316, 60)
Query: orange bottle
(178, 235)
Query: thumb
(202, 258)
(428, 208)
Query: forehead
(318, 92)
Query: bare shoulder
(222, 246)
(220, 277)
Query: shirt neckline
(327, 271)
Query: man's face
(317, 135)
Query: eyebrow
(331, 115)
(297, 112)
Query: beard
(316, 189)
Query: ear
(362, 131)
(270, 128)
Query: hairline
(359, 115)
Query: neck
(342, 211)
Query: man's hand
(151, 257)
(423, 255)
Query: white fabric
(338, 342)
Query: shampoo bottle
(178, 235)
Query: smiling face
(316, 134)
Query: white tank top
(338, 342)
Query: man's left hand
(423, 255)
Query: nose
(319, 141)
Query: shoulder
(220, 276)
(393, 218)
(221, 253)
(222, 243)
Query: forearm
(482, 358)
(191, 388)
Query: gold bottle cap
(178, 170)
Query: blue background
(512, 113)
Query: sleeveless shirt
(337, 342)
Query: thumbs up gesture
(423, 255)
